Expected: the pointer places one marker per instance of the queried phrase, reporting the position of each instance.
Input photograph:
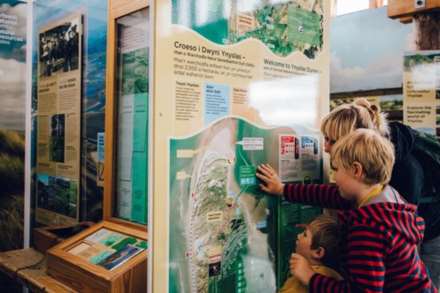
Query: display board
(225, 224)
(108, 249)
(46, 14)
(132, 123)
(59, 121)
(421, 89)
(236, 84)
(13, 133)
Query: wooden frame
(83, 276)
(117, 9)
(405, 9)
(70, 269)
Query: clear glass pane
(132, 119)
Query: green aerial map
(225, 233)
(295, 25)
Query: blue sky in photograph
(367, 50)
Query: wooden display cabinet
(74, 261)
(79, 274)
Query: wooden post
(428, 30)
(376, 3)
(333, 6)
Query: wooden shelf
(28, 267)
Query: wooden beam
(406, 19)
(405, 8)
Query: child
(383, 231)
(320, 245)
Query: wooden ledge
(28, 267)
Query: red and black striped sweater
(382, 237)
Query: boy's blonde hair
(349, 117)
(367, 147)
(327, 233)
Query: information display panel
(236, 84)
(421, 90)
(131, 176)
(59, 121)
(108, 249)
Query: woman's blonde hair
(349, 117)
(371, 150)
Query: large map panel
(224, 229)
(236, 83)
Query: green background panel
(279, 225)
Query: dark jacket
(408, 177)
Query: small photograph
(340, 101)
(437, 110)
(438, 132)
(57, 138)
(57, 194)
(437, 94)
(59, 48)
(120, 257)
(412, 61)
(134, 68)
(438, 120)
(393, 106)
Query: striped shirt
(381, 248)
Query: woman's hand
(272, 183)
(300, 269)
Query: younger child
(382, 230)
(320, 245)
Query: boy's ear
(358, 170)
(318, 253)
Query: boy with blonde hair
(382, 230)
(320, 245)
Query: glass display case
(131, 127)
(111, 256)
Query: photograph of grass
(57, 138)
(11, 191)
(11, 197)
(392, 105)
(57, 194)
